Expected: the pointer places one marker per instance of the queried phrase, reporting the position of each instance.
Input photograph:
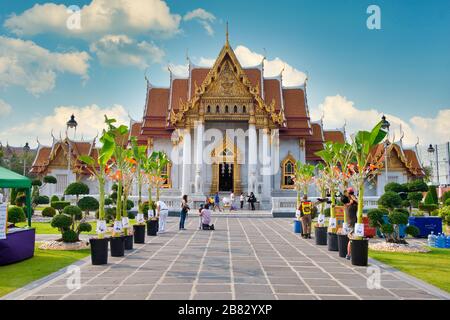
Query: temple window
(208, 109)
(217, 109)
(288, 172)
(244, 109)
(235, 109)
(226, 109)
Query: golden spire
(227, 42)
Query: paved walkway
(259, 258)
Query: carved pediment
(227, 84)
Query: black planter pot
(360, 252)
(99, 251)
(128, 242)
(118, 246)
(342, 245)
(152, 228)
(321, 236)
(139, 233)
(332, 242)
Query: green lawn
(42, 264)
(430, 267)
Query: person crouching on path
(205, 214)
(162, 211)
(202, 206)
(305, 208)
(184, 211)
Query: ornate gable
(227, 83)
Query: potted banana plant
(321, 182)
(129, 170)
(364, 170)
(304, 175)
(331, 174)
(139, 154)
(345, 158)
(99, 168)
(120, 135)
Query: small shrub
(41, 200)
(88, 204)
(108, 201)
(69, 236)
(445, 197)
(417, 186)
(131, 215)
(49, 212)
(415, 198)
(390, 200)
(444, 213)
(54, 198)
(50, 180)
(130, 204)
(447, 202)
(73, 211)
(406, 204)
(376, 217)
(387, 228)
(428, 207)
(395, 187)
(61, 222)
(398, 217)
(431, 197)
(16, 214)
(60, 205)
(76, 189)
(413, 231)
(84, 227)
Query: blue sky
(355, 74)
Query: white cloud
(338, 109)
(121, 50)
(24, 63)
(248, 58)
(89, 118)
(204, 17)
(5, 108)
(97, 18)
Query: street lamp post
(71, 124)
(26, 149)
(385, 126)
(431, 150)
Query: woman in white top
(162, 211)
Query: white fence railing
(288, 204)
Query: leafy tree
(77, 189)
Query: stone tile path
(256, 259)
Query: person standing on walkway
(352, 209)
(184, 211)
(162, 211)
(217, 202)
(305, 208)
(252, 200)
(242, 199)
(232, 199)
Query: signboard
(3, 219)
(339, 212)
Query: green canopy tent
(10, 179)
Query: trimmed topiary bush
(70, 236)
(49, 212)
(376, 217)
(41, 200)
(444, 213)
(54, 198)
(76, 189)
(130, 204)
(431, 197)
(84, 227)
(395, 187)
(60, 205)
(50, 180)
(88, 204)
(108, 201)
(36, 183)
(73, 211)
(62, 222)
(415, 198)
(20, 200)
(16, 214)
(390, 200)
(417, 186)
(398, 217)
(413, 231)
(428, 207)
(447, 203)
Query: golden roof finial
(227, 36)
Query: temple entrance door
(226, 173)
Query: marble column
(186, 161)
(200, 129)
(266, 164)
(252, 157)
